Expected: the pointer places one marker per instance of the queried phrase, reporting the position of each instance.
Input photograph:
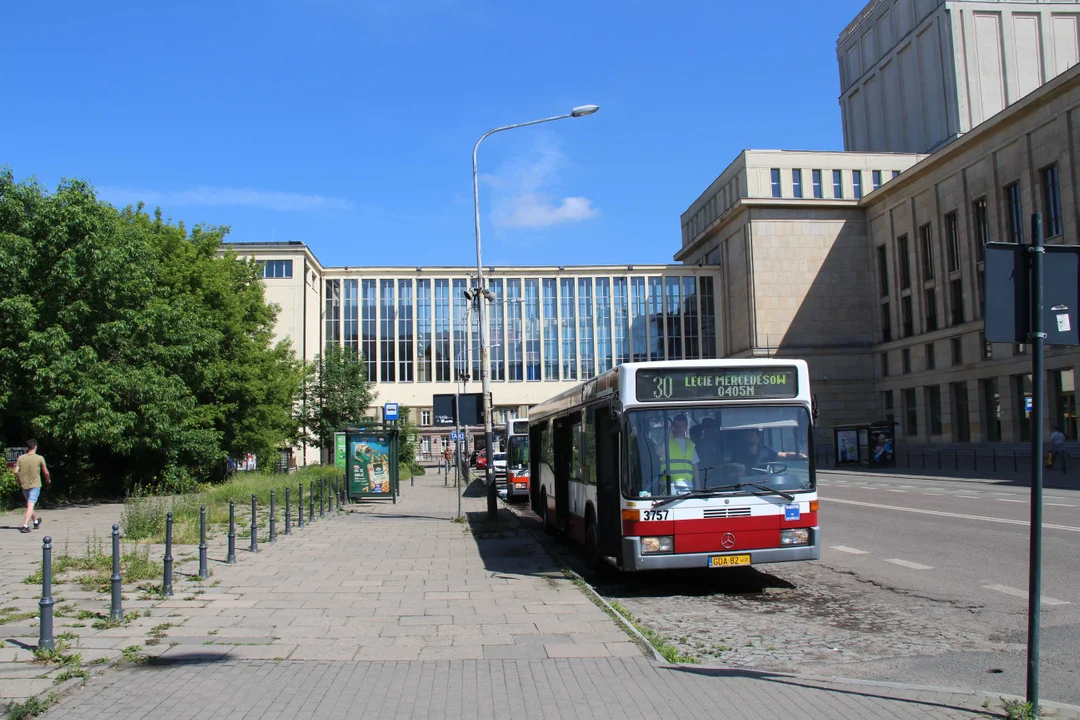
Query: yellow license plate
(728, 560)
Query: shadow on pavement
(831, 688)
(195, 657)
(507, 547)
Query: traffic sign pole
(1035, 561)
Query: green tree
(338, 393)
(129, 347)
(408, 440)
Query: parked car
(499, 460)
(481, 460)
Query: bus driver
(755, 454)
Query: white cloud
(206, 196)
(523, 192)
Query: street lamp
(485, 369)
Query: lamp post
(485, 369)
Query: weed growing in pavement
(31, 708)
(11, 614)
(57, 656)
(67, 636)
(1018, 710)
(98, 661)
(663, 646)
(95, 567)
(132, 655)
(71, 673)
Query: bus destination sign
(737, 383)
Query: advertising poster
(847, 446)
(881, 445)
(370, 466)
(339, 450)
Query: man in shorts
(29, 469)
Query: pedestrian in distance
(30, 468)
(1057, 447)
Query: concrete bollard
(45, 635)
(166, 583)
(116, 610)
(231, 559)
(204, 571)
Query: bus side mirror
(813, 408)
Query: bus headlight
(661, 544)
(520, 486)
(795, 536)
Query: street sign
(471, 406)
(1027, 404)
(390, 411)
(1008, 294)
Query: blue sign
(390, 411)
(1027, 404)
(791, 512)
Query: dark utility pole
(1035, 563)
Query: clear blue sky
(348, 124)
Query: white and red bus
(681, 464)
(517, 460)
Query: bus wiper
(691, 494)
(761, 486)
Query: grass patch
(132, 655)
(1018, 710)
(71, 673)
(662, 644)
(57, 656)
(94, 568)
(31, 708)
(11, 614)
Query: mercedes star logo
(728, 541)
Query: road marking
(941, 513)
(853, 551)
(1015, 592)
(1008, 500)
(1058, 505)
(969, 497)
(909, 564)
(892, 490)
(934, 494)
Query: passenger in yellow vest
(681, 458)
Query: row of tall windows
(816, 187)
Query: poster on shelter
(881, 447)
(371, 465)
(847, 446)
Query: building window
(514, 338)
(952, 241)
(987, 348)
(931, 361)
(911, 417)
(980, 283)
(621, 312)
(425, 444)
(960, 422)
(369, 328)
(1051, 201)
(887, 399)
(671, 325)
(497, 330)
(875, 177)
(883, 272)
(838, 184)
(691, 346)
(926, 240)
(333, 312)
(1014, 213)
(425, 417)
(405, 331)
(885, 364)
(603, 325)
(656, 317)
(886, 323)
(980, 221)
(551, 329)
(796, 183)
(956, 291)
(776, 182)
(957, 350)
(708, 318)
(930, 301)
(856, 183)
(424, 348)
(351, 325)
(277, 269)
(896, 173)
(933, 409)
(639, 334)
(906, 321)
(442, 331)
(905, 361)
(386, 331)
(585, 327)
(532, 329)
(904, 262)
(815, 175)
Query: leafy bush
(10, 492)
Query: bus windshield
(724, 449)
(517, 450)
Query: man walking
(1057, 446)
(29, 469)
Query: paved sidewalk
(396, 611)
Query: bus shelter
(371, 462)
(872, 444)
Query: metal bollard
(340, 492)
(311, 502)
(166, 583)
(254, 528)
(956, 460)
(322, 498)
(300, 523)
(273, 521)
(1014, 461)
(231, 559)
(204, 571)
(993, 453)
(288, 518)
(974, 460)
(116, 610)
(45, 636)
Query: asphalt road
(965, 542)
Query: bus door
(536, 444)
(564, 441)
(608, 497)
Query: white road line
(892, 490)
(1008, 500)
(968, 497)
(1016, 592)
(845, 549)
(909, 564)
(941, 513)
(934, 494)
(1058, 505)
